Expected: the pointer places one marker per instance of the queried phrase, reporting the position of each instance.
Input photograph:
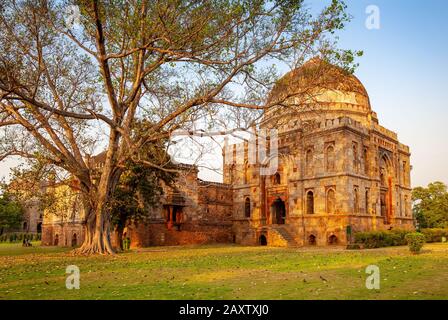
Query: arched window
(232, 173)
(332, 240)
(312, 240)
(247, 208)
(385, 170)
(404, 172)
(309, 162)
(367, 204)
(356, 200)
(74, 240)
(310, 202)
(331, 199)
(355, 157)
(277, 178)
(366, 161)
(246, 173)
(406, 212)
(329, 158)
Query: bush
(415, 240)
(435, 235)
(378, 239)
(19, 237)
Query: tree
(67, 92)
(11, 213)
(139, 189)
(431, 205)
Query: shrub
(415, 241)
(378, 239)
(19, 237)
(435, 235)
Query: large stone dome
(318, 87)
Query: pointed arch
(355, 200)
(367, 201)
(386, 169)
(355, 157)
(309, 161)
(74, 240)
(329, 158)
(247, 207)
(332, 240)
(366, 160)
(277, 178)
(310, 202)
(246, 174)
(312, 240)
(406, 211)
(330, 201)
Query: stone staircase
(280, 236)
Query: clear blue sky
(404, 69)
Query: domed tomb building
(338, 170)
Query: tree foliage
(11, 213)
(140, 189)
(70, 91)
(431, 205)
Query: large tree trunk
(97, 233)
(98, 224)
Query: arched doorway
(277, 178)
(310, 202)
(56, 240)
(386, 176)
(263, 241)
(312, 240)
(74, 240)
(279, 211)
(39, 227)
(331, 200)
(174, 216)
(332, 240)
(247, 208)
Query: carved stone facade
(191, 212)
(338, 172)
(62, 222)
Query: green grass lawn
(225, 272)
